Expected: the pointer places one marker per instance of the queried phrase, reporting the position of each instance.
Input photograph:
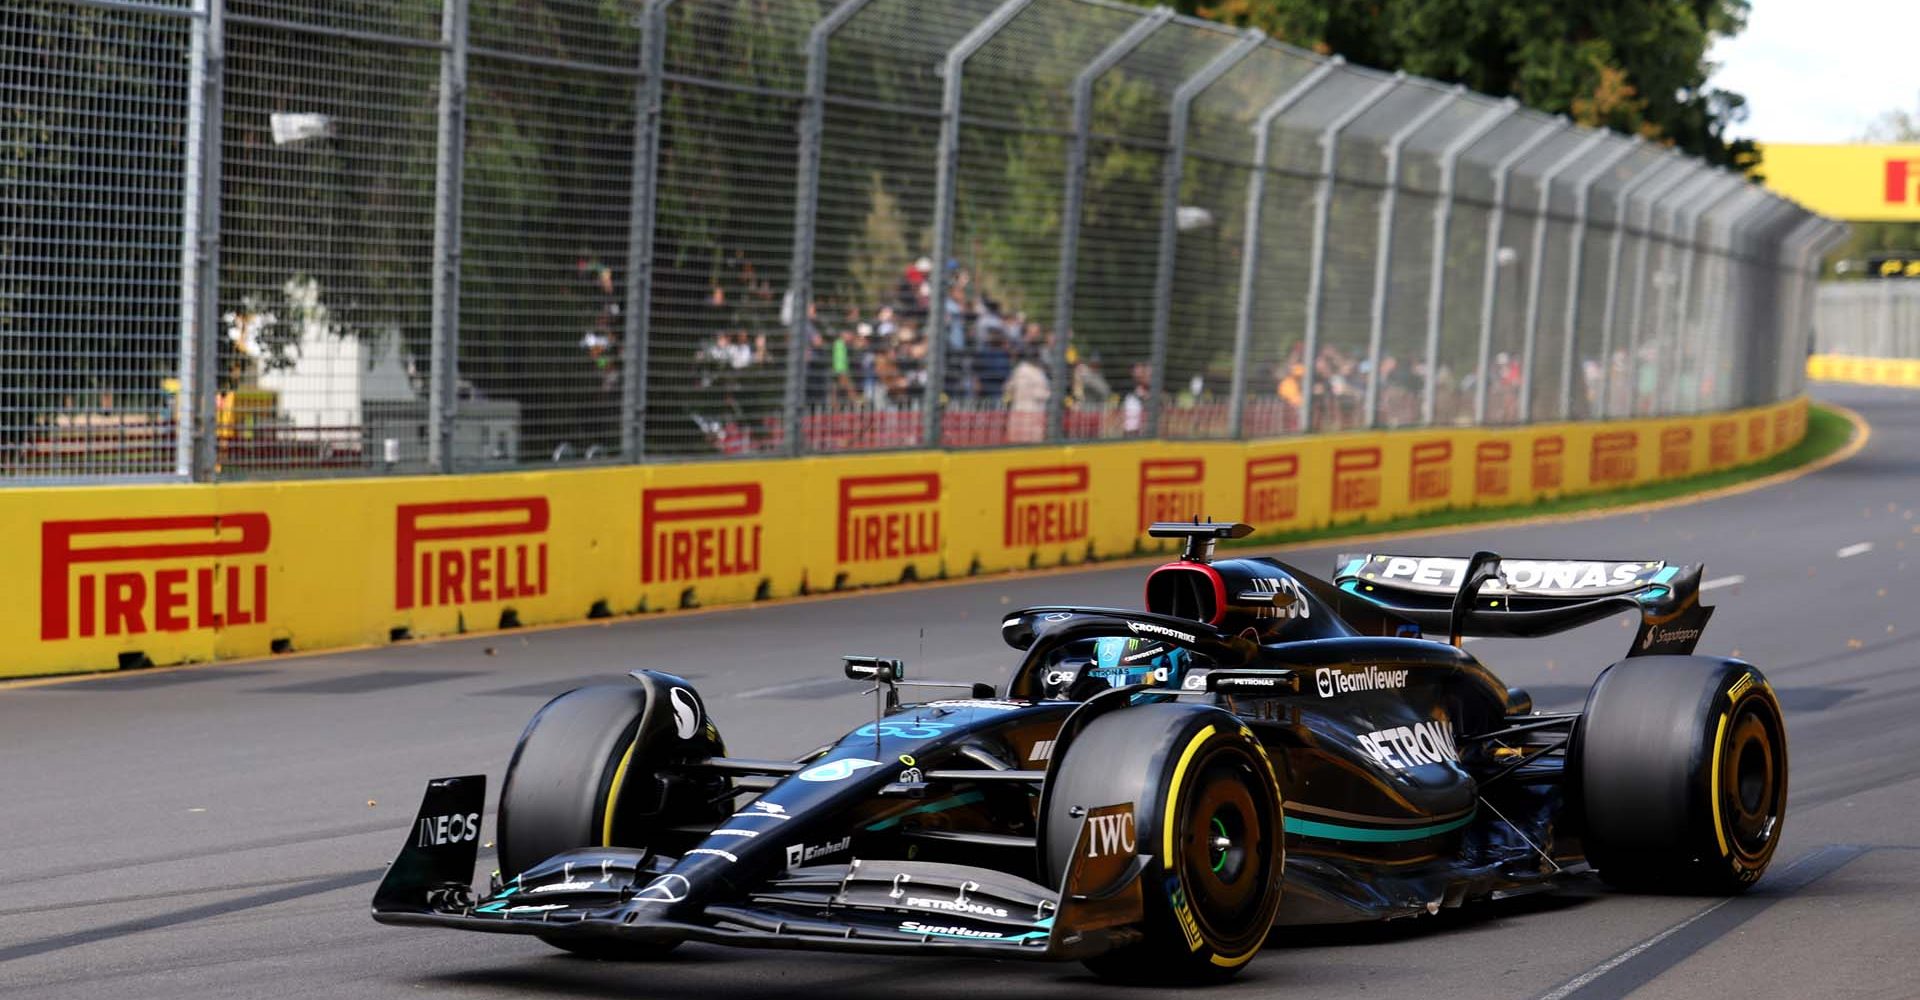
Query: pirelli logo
(888, 517)
(1615, 458)
(1549, 463)
(1676, 451)
(1492, 469)
(469, 552)
(1723, 443)
(1756, 435)
(1786, 425)
(1171, 489)
(1273, 489)
(1430, 471)
(690, 533)
(122, 576)
(1046, 505)
(1356, 480)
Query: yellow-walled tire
(1681, 766)
(1210, 815)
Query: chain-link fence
(293, 237)
(1868, 319)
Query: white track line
(1723, 581)
(1853, 550)
(1573, 985)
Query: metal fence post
(1694, 173)
(1490, 276)
(195, 419)
(1175, 172)
(1655, 193)
(1760, 210)
(1073, 204)
(806, 212)
(1536, 267)
(1883, 330)
(1442, 228)
(945, 179)
(1383, 256)
(1317, 259)
(1610, 312)
(642, 214)
(1576, 263)
(1250, 247)
(1730, 186)
(1834, 237)
(1789, 263)
(443, 393)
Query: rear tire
(1682, 768)
(1208, 809)
(582, 775)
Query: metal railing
(252, 238)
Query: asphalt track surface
(216, 831)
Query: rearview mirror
(880, 669)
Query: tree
(1636, 66)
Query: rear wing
(1487, 595)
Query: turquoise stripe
(1666, 574)
(1353, 568)
(931, 807)
(1370, 835)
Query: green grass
(1827, 432)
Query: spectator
(915, 291)
(1133, 409)
(844, 348)
(819, 366)
(956, 314)
(1090, 388)
(1027, 393)
(990, 368)
(1290, 388)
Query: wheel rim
(1225, 857)
(1752, 779)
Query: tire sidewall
(583, 773)
(1740, 689)
(1670, 832)
(1152, 756)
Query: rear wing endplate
(1487, 595)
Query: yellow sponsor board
(1855, 182)
(119, 576)
(1864, 371)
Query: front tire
(1682, 766)
(584, 775)
(1208, 811)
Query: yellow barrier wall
(177, 573)
(1865, 371)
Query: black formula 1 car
(1153, 791)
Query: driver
(1119, 662)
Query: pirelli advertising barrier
(1865, 371)
(117, 576)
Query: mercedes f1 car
(1153, 791)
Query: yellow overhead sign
(1857, 182)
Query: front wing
(864, 906)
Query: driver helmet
(1124, 661)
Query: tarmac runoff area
(217, 831)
